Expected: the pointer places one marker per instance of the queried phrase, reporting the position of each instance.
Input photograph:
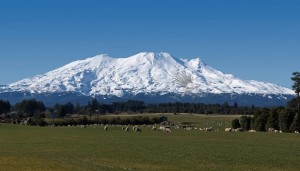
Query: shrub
(235, 124)
(245, 122)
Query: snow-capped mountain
(144, 74)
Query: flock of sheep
(163, 128)
(168, 128)
(270, 130)
(135, 128)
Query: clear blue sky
(251, 39)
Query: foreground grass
(73, 148)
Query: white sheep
(154, 128)
(126, 128)
(136, 129)
(228, 129)
(168, 130)
(189, 128)
(239, 130)
(209, 129)
(271, 129)
(162, 128)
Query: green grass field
(74, 148)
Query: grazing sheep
(239, 130)
(209, 129)
(189, 128)
(271, 129)
(162, 128)
(154, 128)
(126, 128)
(168, 130)
(177, 127)
(136, 129)
(83, 126)
(228, 129)
(297, 132)
(252, 131)
(105, 128)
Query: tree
(273, 119)
(296, 87)
(4, 106)
(235, 124)
(260, 122)
(77, 108)
(62, 110)
(285, 120)
(245, 122)
(30, 107)
(235, 105)
(292, 104)
(94, 105)
(295, 126)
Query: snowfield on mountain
(144, 73)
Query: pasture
(92, 148)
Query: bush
(83, 121)
(41, 122)
(285, 120)
(261, 122)
(273, 120)
(235, 124)
(245, 122)
(295, 126)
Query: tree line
(279, 118)
(34, 108)
(284, 119)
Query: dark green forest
(260, 119)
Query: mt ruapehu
(151, 77)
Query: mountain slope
(144, 73)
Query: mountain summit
(153, 77)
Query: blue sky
(251, 39)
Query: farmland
(74, 148)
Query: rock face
(151, 77)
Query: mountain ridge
(144, 73)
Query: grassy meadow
(75, 148)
